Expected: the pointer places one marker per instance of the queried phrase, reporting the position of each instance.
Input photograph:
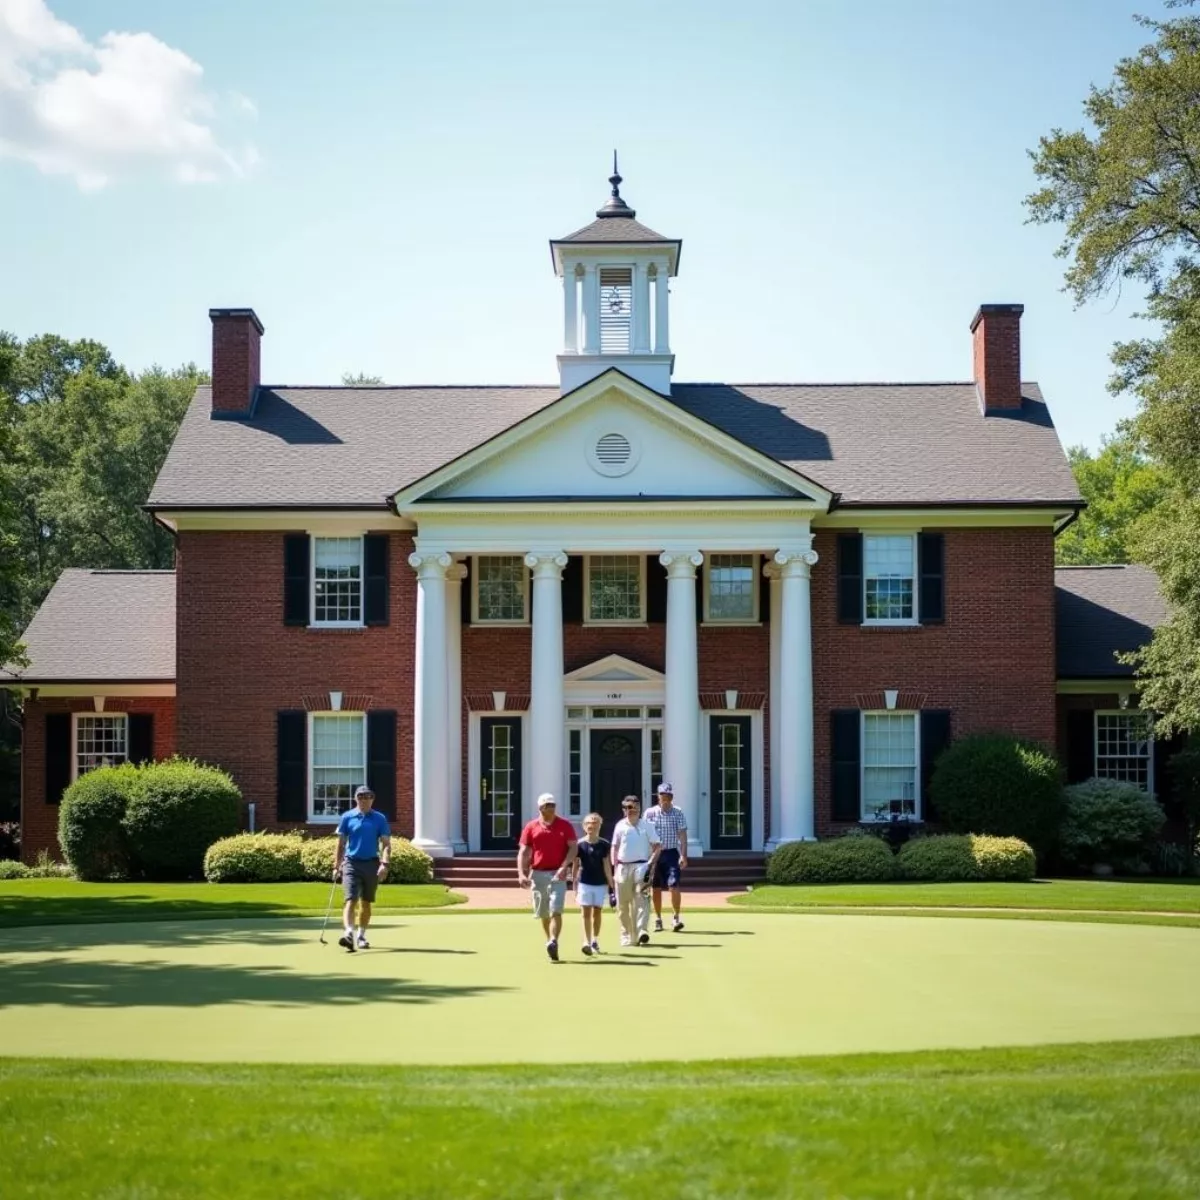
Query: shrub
(47, 868)
(966, 857)
(316, 858)
(176, 811)
(408, 864)
(992, 783)
(1167, 858)
(1003, 859)
(1106, 821)
(91, 828)
(255, 858)
(12, 870)
(10, 839)
(840, 860)
(1184, 770)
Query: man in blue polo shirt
(363, 849)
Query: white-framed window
(889, 765)
(500, 590)
(656, 759)
(731, 589)
(337, 752)
(574, 772)
(615, 589)
(101, 740)
(889, 579)
(337, 581)
(1125, 748)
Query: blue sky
(379, 180)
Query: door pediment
(615, 668)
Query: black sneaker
(677, 926)
(347, 941)
(587, 949)
(658, 925)
(552, 950)
(644, 939)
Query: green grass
(1110, 1120)
(67, 902)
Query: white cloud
(97, 111)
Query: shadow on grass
(16, 911)
(607, 962)
(176, 985)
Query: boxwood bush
(1001, 785)
(839, 860)
(408, 864)
(11, 869)
(316, 857)
(91, 823)
(1003, 859)
(1105, 821)
(962, 858)
(255, 858)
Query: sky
(379, 180)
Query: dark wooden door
(729, 782)
(500, 785)
(616, 772)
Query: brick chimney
(236, 369)
(997, 330)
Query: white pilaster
(570, 309)
(797, 815)
(681, 723)
(546, 711)
(431, 777)
(454, 722)
(591, 309)
(771, 571)
(641, 308)
(661, 322)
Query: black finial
(616, 207)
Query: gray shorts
(549, 894)
(360, 878)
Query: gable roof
(1103, 611)
(873, 444)
(98, 626)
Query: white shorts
(592, 895)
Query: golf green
(479, 989)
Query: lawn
(1110, 1120)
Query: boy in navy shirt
(593, 881)
(363, 848)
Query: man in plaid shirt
(671, 826)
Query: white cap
(547, 798)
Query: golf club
(328, 910)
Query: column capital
(772, 570)
(548, 564)
(794, 561)
(456, 572)
(430, 564)
(681, 564)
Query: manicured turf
(66, 902)
(1080, 1121)
(478, 989)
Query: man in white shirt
(635, 850)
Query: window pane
(500, 783)
(575, 771)
(732, 805)
(338, 580)
(338, 762)
(621, 714)
(1123, 748)
(888, 572)
(732, 587)
(615, 587)
(656, 760)
(100, 741)
(889, 764)
(501, 587)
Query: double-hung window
(1125, 748)
(338, 762)
(889, 573)
(889, 765)
(337, 581)
(501, 589)
(615, 587)
(101, 740)
(731, 592)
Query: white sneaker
(363, 944)
(595, 946)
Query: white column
(681, 724)
(591, 309)
(661, 283)
(546, 712)
(570, 310)
(641, 308)
(771, 571)
(797, 817)
(454, 756)
(431, 778)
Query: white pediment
(614, 668)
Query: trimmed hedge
(407, 865)
(995, 784)
(839, 860)
(91, 828)
(1106, 821)
(964, 858)
(255, 858)
(11, 869)
(316, 858)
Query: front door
(729, 782)
(616, 772)
(500, 785)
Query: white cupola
(615, 275)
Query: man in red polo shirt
(548, 850)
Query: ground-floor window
(575, 772)
(101, 740)
(1124, 748)
(339, 761)
(889, 758)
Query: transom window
(732, 591)
(100, 741)
(889, 772)
(616, 591)
(501, 589)
(338, 751)
(1124, 748)
(337, 581)
(888, 572)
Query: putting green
(478, 988)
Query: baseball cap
(362, 791)
(666, 787)
(547, 798)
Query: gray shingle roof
(614, 229)
(103, 626)
(872, 443)
(1103, 611)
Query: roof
(1103, 611)
(614, 229)
(873, 443)
(98, 626)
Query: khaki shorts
(549, 894)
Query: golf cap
(362, 791)
(546, 798)
(665, 789)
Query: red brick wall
(997, 355)
(237, 356)
(39, 820)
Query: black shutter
(1081, 744)
(845, 724)
(381, 759)
(764, 593)
(935, 737)
(375, 570)
(850, 578)
(58, 755)
(1165, 787)
(572, 589)
(700, 570)
(465, 597)
(291, 765)
(295, 579)
(141, 737)
(931, 566)
(656, 591)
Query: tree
(1127, 191)
(361, 380)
